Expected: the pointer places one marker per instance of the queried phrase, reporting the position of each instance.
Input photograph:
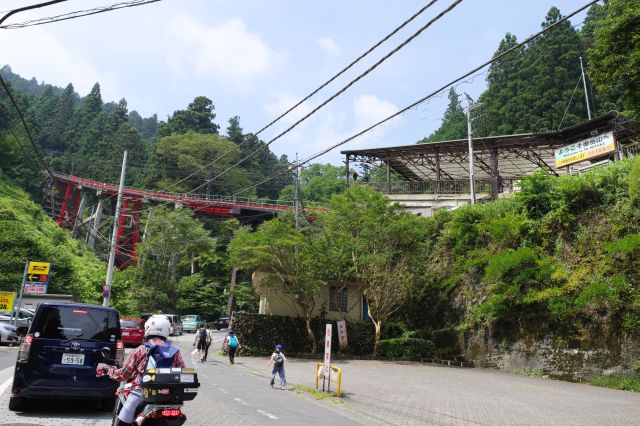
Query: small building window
(337, 299)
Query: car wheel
(218, 328)
(16, 403)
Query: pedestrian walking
(278, 360)
(200, 342)
(208, 342)
(231, 344)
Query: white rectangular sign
(593, 147)
(327, 350)
(32, 288)
(342, 333)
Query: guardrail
(451, 186)
(331, 367)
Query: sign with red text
(327, 350)
(342, 334)
(593, 147)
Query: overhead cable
(427, 97)
(322, 86)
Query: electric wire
(338, 93)
(33, 6)
(75, 14)
(322, 86)
(432, 94)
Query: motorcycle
(163, 391)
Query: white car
(8, 333)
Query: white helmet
(157, 325)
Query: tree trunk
(312, 337)
(378, 327)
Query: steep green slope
(26, 233)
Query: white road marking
(217, 340)
(264, 413)
(223, 390)
(241, 401)
(5, 385)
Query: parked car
(58, 356)
(23, 319)
(222, 322)
(176, 324)
(190, 323)
(132, 330)
(8, 333)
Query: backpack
(160, 356)
(278, 360)
(233, 341)
(202, 334)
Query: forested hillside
(538, 87)
(26, 233)
(86, 137)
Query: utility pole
(112, 252)
(472, 182)
(296, 205)
(586, 96)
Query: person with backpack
(231, 344)
(201, 342)
(154, 352)
(278, 360)
(208, 343)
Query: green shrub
(259, 334)
(407, 348)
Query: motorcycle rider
(156, 332)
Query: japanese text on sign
(585, 149)
(327, 351)
(342, 334)
(6, 301)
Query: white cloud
(36, 52)
(282, 103)
(328, 45)
(368, 109)
(229, 50)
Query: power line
(322, 86)
(26, 127)
(34, 6)
(429, 96)
(75, 14)
(339, 92)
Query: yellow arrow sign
(40, 268)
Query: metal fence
(456, 186)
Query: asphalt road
(228, 395)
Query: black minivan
(58, 356)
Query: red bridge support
(69, 208)
(128, 233)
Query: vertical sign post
(34, 281)
(342, 334)
(327, 355)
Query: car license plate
(125, 333)
(73, 359)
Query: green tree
(454, 122)
(286, 260)
(174, 239)
(614, 58)
(318, 182)
(376, 245)
(198, 117)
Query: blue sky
(256, 59)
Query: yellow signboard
(41, 268)
(6, 301)
(593, 147)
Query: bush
(407, 348)
(259, 334)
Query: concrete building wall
(273, 301)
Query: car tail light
(25, 347)
(173, 412)
(119, 353)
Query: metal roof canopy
(495, 157)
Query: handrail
(338, 370)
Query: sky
(256, 59)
